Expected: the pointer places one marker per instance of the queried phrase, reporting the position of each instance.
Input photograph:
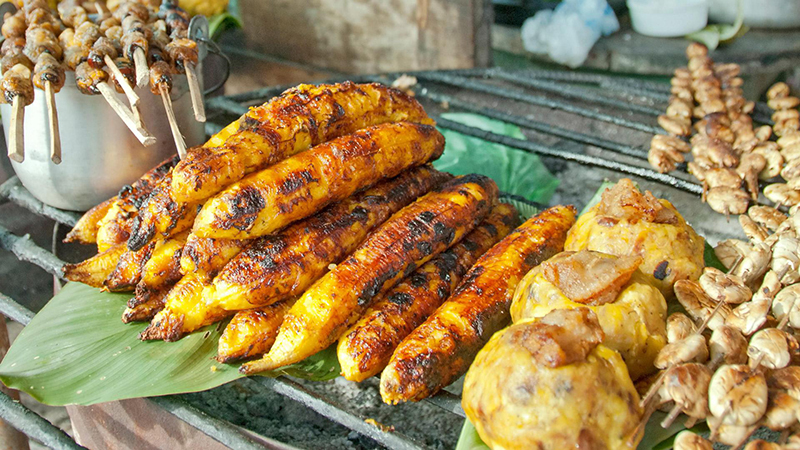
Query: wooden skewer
(140, 64)
(125, 114)
(16, 139)
(55, 134)
(173, 124)
(196, 93)
(133, 98)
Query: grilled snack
(185, 309)
(96, 269)
(412, 237)
(551, 384)
(300, 118)
(85, 230)
(283, 266)
(441, 349)
(366, 348)
(302, 185)
(628, 222)
(252, 332)
(129, 269)
(161, 271)
(115, 227)
(146, 310)
(632, 312)
(160, 214)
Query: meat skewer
(135, 40)
(93, 81)
(161, 84)
(183, 53)
(17, 90)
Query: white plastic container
(668, 18)
(774, 14)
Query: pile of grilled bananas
(317, 218)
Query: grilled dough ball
(628, 222)
(547, 384)
(631, 311)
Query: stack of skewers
(132, 46)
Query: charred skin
(441, 349)
(279, 267)
(161, 271)
(115, 227)
(185, 309)
(366, 348)
(128, 272)
(304, 184)
(85, 230)
(410, 238)
(299, 119)
(145, 311)
(96, 269)
(160, 214)
(252, 332)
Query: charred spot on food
(359, 213)
(408, 245)
(338, 112)
(418, 279)
(490, 228)
(416, 228)
(125, 190)
(244, 207)
(374, 286)
(469, 245)
(532, 258)
(606, 221)
(295, 181)
(401, 298)
(443, 233)
(249, 123)
(442, 292)
(140, 235)
(424, 247)
(409, 269)
(661, 270)
(427, 216)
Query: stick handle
(140, 64)
(125, 114)
(197, 95)
(133, 98)
(55, 135)
(16, 138)
(173, 124)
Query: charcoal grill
(572, 120)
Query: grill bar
(333, 410)
(15, 311)
(13, 190)
(34, 425)
(26, 250)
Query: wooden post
(10, 438)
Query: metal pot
(99, 153)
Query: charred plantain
(252, 332)
(146, 310)
(441, 349)
(128, 271)
(161, 271)
(96, 269)
(300, 118)
(411, 237)
(85, 230)
(366, 348)
(304, 184)
(279, 267)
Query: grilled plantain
(365, 349)
(185, 309)
(115, 227)
(283, 266)
(96, 269)
(411, 237)
(300, 118)
(146, 310)
(129, 269)
(85, 230)
(161, 271)
(441, 349)
(304, 184)
(252, 332)
(161, 214)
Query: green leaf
(713, 35)
(221, 22)
(77, 351)
(515, 171)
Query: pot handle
(214, 49)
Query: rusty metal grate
(547, 103)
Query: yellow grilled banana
(252, 332)
(96, 269)
(365, 349)
(411, 237)
(85, 230)
(161, 271)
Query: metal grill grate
(589, 119)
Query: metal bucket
(99, 153)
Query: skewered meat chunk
(131, 41)
(72, 16)
(127, 70)
(101, 48)
(160, 75)
(11, 59)
(115, 34)
(87, 78)
(549, 384)
(43, 18)
(155, 55)
(182, 52)
(109, 23)
(737, 395)
(41, 40)
(14, 25)
(132, 9)
(16, 82)
(48, 70)
(160, 38)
